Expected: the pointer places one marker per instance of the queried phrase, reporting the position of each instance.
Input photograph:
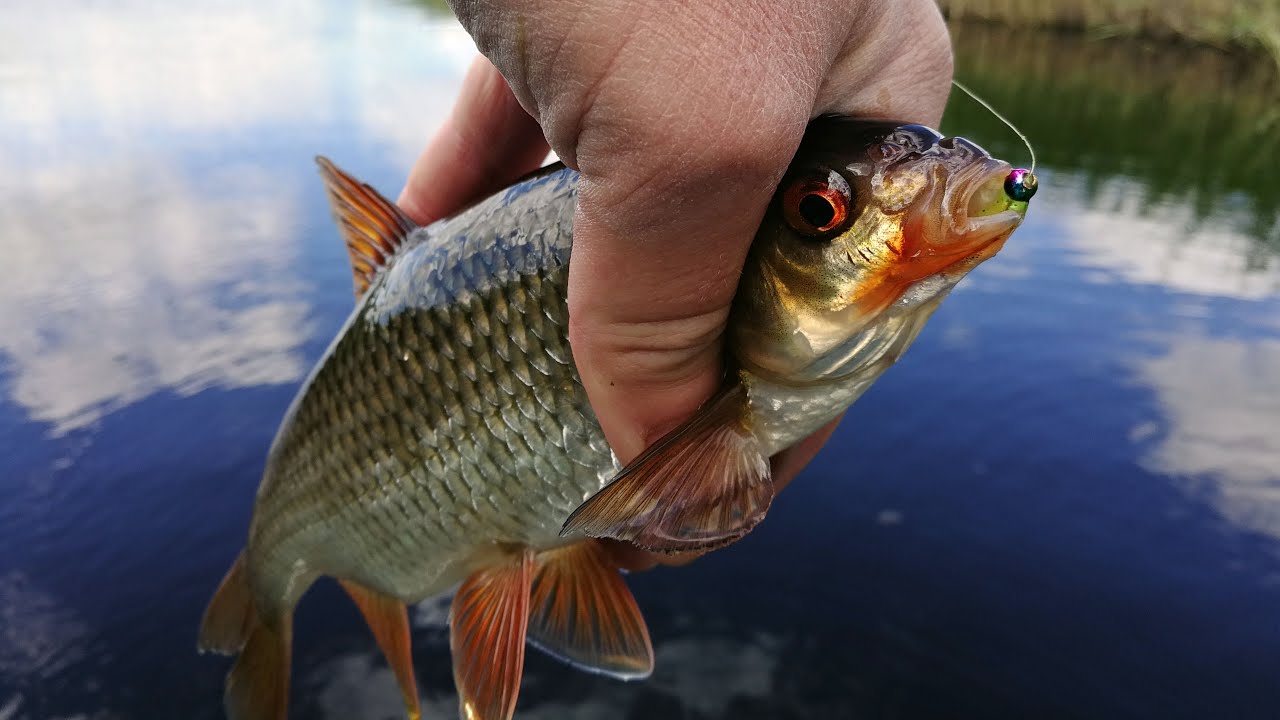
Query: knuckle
(660, 352)
(652, 167)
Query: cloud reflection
(1166, 245)
(129, 278)
(1220, 399)
(698, 672)
(135, 268)
(39, 636)
(1219, 396)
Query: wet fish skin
(445, 435)
(446, 417)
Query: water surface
(1063, 503)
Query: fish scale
(468, 377)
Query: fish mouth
(980, 212)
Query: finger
(897, 65)
(488, 142)
(669, 202)
(671, 199)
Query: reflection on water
(40, 637)
(705, 676)
(1194, 126)
(1207, 256)
(155, 254)
(1160, 183)
(1221, 401)
(1064, 502)
(147, 279)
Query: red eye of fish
(817, 205)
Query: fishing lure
(1021, 184)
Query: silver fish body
(447, 416)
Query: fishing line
(1000, 117)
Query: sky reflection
(1063, 502)
(706, 674)
(150, 264)
(1211, 353)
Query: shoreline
(1246, 27)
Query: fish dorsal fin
(372, 226)
(703, 485)
(389, 620)
(582, 612)
(487, 624)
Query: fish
(445, 439)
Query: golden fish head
(872, 225)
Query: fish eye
(817, 205)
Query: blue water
(1064, 502)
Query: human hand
(681, 119)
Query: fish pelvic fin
(487, 625)
(581, 612)
(258, 685)
(230, 616)
(389, 620)
(371, 225)
(703, 485)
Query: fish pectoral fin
(703, 485)
(388, 618)
(229, 617)
(258, 685)
(582, 613)
(487, 625)
(372, 226)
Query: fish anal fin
(229, 618)
(258, 685)
(582, 612)
(487, 625)
(703, 485)
(389, 620)
(371, 225)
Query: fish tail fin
(230, 615)
(581, 612)
(488, 622)
(258, 685)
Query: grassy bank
(1226, 24)
(1197, 127)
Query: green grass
(1249, 25)
(1197, 127)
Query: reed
(1197, 127)
(1225, 24)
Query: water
(1063, 503)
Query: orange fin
(703, 485)
(372, 226)
(582, 612)
(487, 625)
(229, 617)
(389, 620)
(258, 686)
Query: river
(1064, 502)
